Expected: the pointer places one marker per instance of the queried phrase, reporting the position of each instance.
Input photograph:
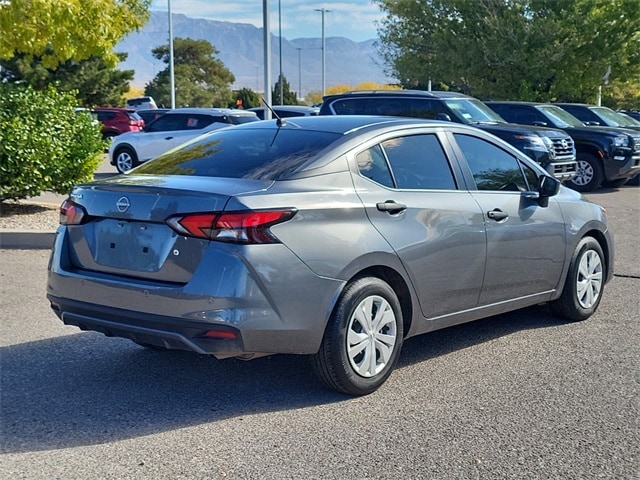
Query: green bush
(45, 144)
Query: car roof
(114, 109)
(344, 123)
(210, 111)
(404, 93)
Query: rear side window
(390, 106)
(167, 123)
(265, 154)
(372, 164)
(418, 162)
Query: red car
(118, 120)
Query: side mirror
(547, 187)
(444, 117)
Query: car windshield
(263, 154)
(614, 119)
(560, 118)
(472, 111)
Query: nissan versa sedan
(336, 237)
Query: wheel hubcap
(125, 163)
(589, 281)
(371, 336)
(584, 174)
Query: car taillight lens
(235, 227)
(71, 214)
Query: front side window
(419, 162)
(492, 167)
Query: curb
(26, 240)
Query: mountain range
(240, 48)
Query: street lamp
(323, 11)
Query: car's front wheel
(126, 159)
(584, 284)
(589, 176)
(363, 338)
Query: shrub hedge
(45, 143)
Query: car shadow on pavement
(85, 389)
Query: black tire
(590, 174)
(635, 181)
(125, 159)
(584, 285)
(357, 372)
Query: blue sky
(355, 20)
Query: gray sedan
(334, 237)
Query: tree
(46, 145)
(93, 80)
(61, 30)
(201, 80)
(517, 49)
(247, 98)
(288, 97)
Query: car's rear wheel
(363, 338)
(584, 284)
(589, 175)
(126, 159)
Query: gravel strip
(28, 217)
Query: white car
(170, 130)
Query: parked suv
(170, 130)
(139, 103)
(552, 149)
(606, 155)
(117, 120)
(604, 116)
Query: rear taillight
(235, 227)
(71, 214)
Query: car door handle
(168, 138)
(497, 215)
(391, 206)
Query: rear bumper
(283, 308)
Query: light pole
(299, 72)
(280, 52)
(323, 11)
(172, 79)
(267, 57)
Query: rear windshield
(262, 154)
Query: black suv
(606, 155)
(594, 115)
(551, 148)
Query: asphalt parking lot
(517, 396)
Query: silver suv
(170, 130)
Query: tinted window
(492, 167)
(526, 115)
(373, 165)
(418, 162)
(397, 107)
(263, 154)
(166, 123)
(198, 122)
(104, 116)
